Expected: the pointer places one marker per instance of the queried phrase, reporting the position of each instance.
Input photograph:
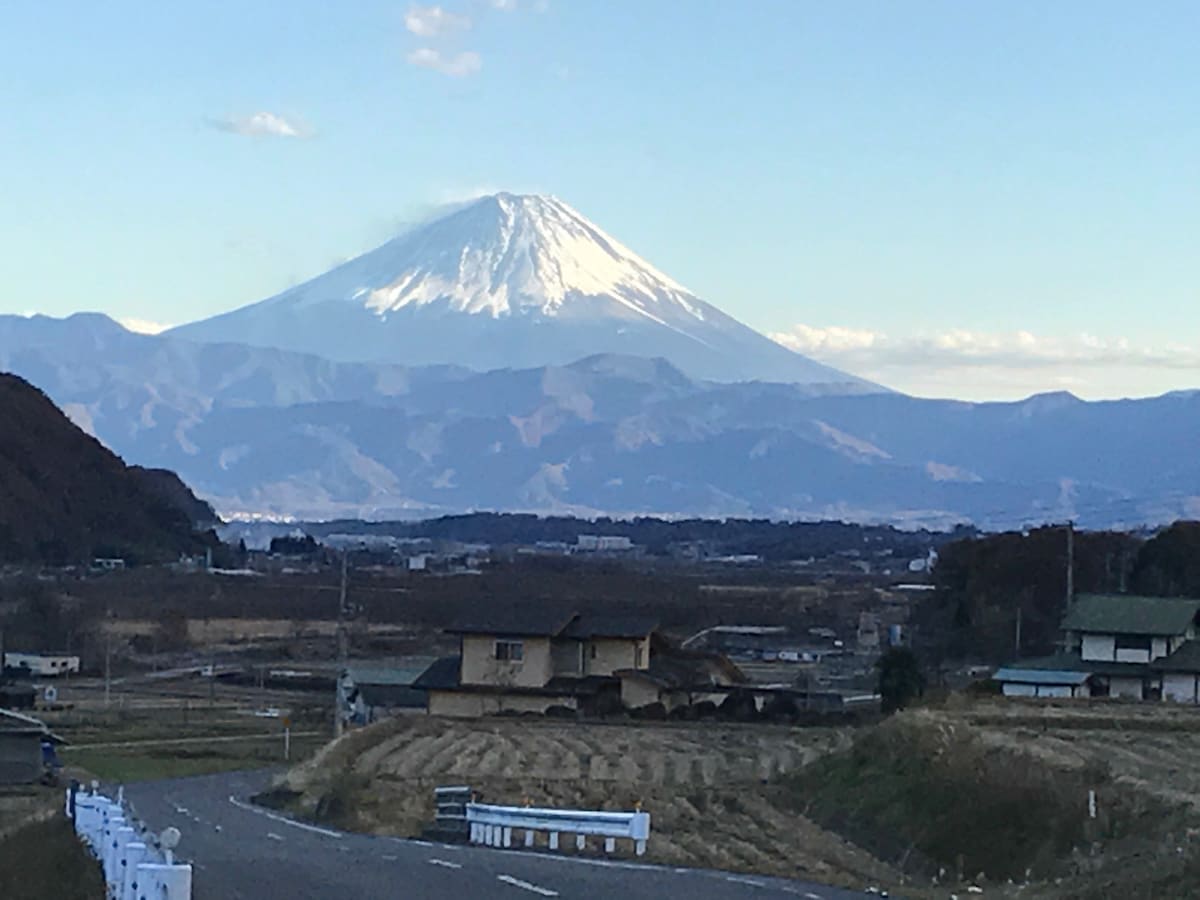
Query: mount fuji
(512, 281)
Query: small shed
(1017, 682)
(367, 694)
(21, 740)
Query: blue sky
(964, 199)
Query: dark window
(594, 651)
(1133, 642)
(513, 651)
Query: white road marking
(389, 857)
(316, 829)
(273, 836)
(741, 879)
(526, 886)
(442, 862)
(420, 843)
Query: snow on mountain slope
(511, 281)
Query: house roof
(390, 696)
(591, 625)
(1130, 614)
(528, 621)
(1041, 676)
(391, 676)
(534, 621)
(16, 723)
(674, 668)
(1071, 662)
(442, 674)
(1186, 658)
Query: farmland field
(708, 787)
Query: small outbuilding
(1021, 682)
(21, 742)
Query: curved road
(242, 852)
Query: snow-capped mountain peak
(511, 280)
(501, 255)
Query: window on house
(512, 651)
(1133, 642)
(595, 652)
(637, 655)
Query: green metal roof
(1130, 614)
(380, 676)
(1186, 658)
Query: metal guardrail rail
(494, 826)
(137, 864)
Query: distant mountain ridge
(65, 498)
(511, 281)
(267, 432)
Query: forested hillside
(65, 498)
(983, 582)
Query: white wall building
(43, 665)
(1118, 645)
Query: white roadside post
(136, 853)
(641, 832)
(109, 857)
(124, 837)
(168, 882)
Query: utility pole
(338, 726)
(107, 655)
(1070, 561)
(1018, 637)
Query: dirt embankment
(931, 801)
(710, 789)
(943, 798)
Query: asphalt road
(242, 852)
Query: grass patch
(929, 794)
(125, 765)
(46, 860)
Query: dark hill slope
(66, 498)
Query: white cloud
(263, 124)
(986, 365)
(457, 65)
(432, 21)
(143, 326)
(504, 5)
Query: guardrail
(137, 864)
(494, 826)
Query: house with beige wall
(533, 660)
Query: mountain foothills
(267, 431)
(511, 281)
(64, 498)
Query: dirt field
(171, 728)
(706, 786)
(1150, 747)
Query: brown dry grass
(707, 787)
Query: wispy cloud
(504, 5)
(456, 65)
(263, 124)
(144, 326)
(434, 21)
(963, 362)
